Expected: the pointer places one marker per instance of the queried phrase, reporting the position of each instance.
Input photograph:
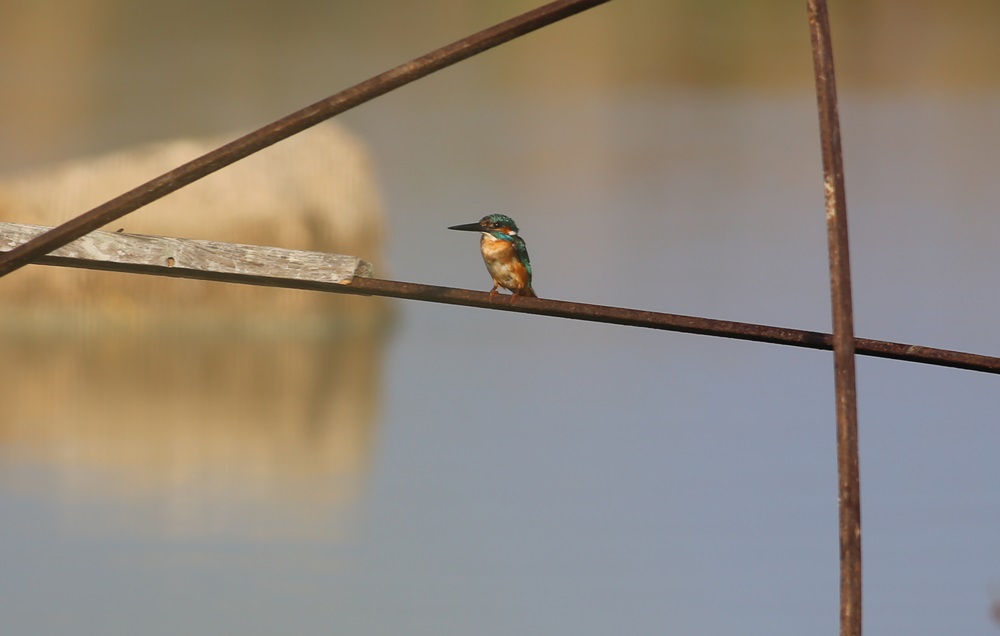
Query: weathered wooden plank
(191, 258)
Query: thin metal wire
(843, 321)
(288, 126)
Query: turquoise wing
(522, 255)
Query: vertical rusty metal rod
(849, 480)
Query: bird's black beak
(467, 227)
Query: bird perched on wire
(504, 253)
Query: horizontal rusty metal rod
(671, 322)
(288, 126)
(320, 279)
(295, 269)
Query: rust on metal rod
(668, 322)
(318, 276)
(290, 125)
(849, 481)
(334, 273)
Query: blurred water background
(482, 472)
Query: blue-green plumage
(522, 254)
(504, 252)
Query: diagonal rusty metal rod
(290, 125)
(845, 383)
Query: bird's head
(497, 225)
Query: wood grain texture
(191, 258)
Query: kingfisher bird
(504, 253)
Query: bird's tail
(529, 292)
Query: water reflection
(203, 405)
(214, 430)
